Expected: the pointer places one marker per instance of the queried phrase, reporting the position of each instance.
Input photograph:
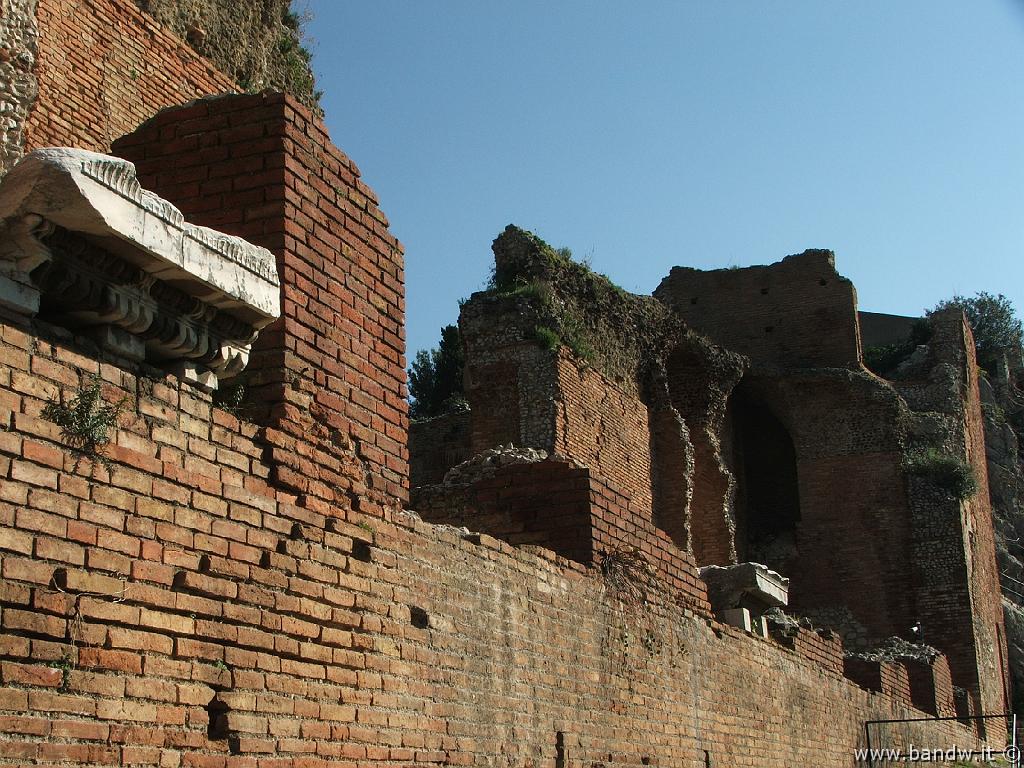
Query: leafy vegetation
(945, 471)
(261, 45)
(994, 323)
(86, 421)
(435, 378)
(534, 290)
(232, 397)
(65, 664)
(295, 58)
(602, 325)
(548, 338)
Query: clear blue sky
(709, 134)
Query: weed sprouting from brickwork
(535, 290)
(548, 338)
(86, 421)
(232, 397)
(626, 574)
(634, 637)
(947, 472)
(65, 664)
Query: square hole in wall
(419, 617)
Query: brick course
(773, 314)
(328, 378)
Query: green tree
(435, 378)
(994, 323)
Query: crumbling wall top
(619, 333)
(798, 312)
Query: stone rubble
(487, 463)
(896, 648)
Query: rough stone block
(747, 583)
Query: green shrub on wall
(947, 472)
(86, 421)
(603, 326)
(886, 359)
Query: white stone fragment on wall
(753, 583)
(99, 196)
(78, 231)
(737, 617)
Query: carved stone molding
(83, 242)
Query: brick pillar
(931, 689)
(328, 379)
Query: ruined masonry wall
(605, 428)
(504, 364)
(570, 510)
(955, 542)
(103, 67)
(987, 613)
(885, 676)
(19, 33)
(181, 610)
(774, 314)
(230, 595)
(436, 445)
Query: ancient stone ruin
(687, 529)
(715, 425)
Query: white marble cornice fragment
(99, 196)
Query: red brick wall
(621, 525)
(774, 314)
(954, 541)
(986, 593)
(331, 372)
(523, 394)
(699, 387)
(600, 425)
(824, 648)
(103, 67)
(545, 503)
(851, 432)
(186, 585)
(846, 434)
(570, 510)
(890, 678)
(849, 504)
(494, 382)
(896, 681)
(931, 689)
(238, 595)
(509, 377)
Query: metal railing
(1012, 749)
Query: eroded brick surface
(325, 634)
(231, 593)
(104, 66)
